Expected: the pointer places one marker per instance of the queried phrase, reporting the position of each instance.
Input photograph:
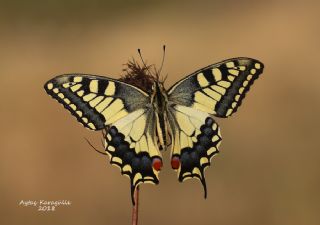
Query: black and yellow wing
(195, 140)
(216, 90)
(98, 102)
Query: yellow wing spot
(66, 85)
(218, 144)
(211, 150)
(204, 100)
(112, 109)
(102, 105)
(56, 90)
(213, 94)
(257, 65)
(136, 178)
(241, 90)
(80, 93)
(214, 126)
(77, 79)
(108, 153)
(89, 97)
(245, 83)
(217, 74)
(242, 68)
(49, 86)
(253, 71)
(85, 119)
(224, 84)
(127, 168)
(60, 95)
(116, 160)
(118, 116)
(230, 64)
(233, 72)
(234, 104)
(95, 101)
(75, 87)
(231, 78)
(215, 138)
(93, 86)
(111, 148)
(237, 97)
(109, 137)
(73, 106)
(111, 89)
(66, 100)
(219, 132)
(186, 174)
(79, 113)
(202, 80)
(229, 112)
(196, 171)
(249, 77)
(137, 147)
(132, 145)
(91, 125)
(203, 160)
(219, 89)
(194, 139)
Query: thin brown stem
(135, 208)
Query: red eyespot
(157, 164)
(175, 162)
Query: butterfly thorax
(159, 100)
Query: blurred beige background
(268, 172)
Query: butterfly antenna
(139, 51)
(163, 56)
(103, 153)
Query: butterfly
(140, 123)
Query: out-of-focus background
(268, 171)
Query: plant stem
(135, 208)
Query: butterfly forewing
(94, 100)
(219, 88)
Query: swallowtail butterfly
(141, 123)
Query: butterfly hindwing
(131, 144)
(196, 139)
(96, 101)
(219, 88)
